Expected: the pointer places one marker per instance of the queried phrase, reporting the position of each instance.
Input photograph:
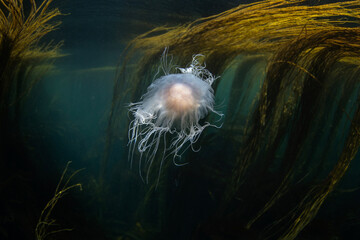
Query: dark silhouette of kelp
(20, 51)
(23, 61)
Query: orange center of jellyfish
(179, 98)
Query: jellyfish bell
(179, 99)
(173, 104)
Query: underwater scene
(177, 120)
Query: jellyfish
(171, 109)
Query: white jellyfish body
(173, 105)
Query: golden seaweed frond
(297, 83)
(25, 31)
(20, 51)
(260, 26)
(45, 222)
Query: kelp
(302, 103)
(46, 225)
(284, 83)
(297, 94)
(24, 59)
(260, 27)
(249, 28)
(21, 53)
(310, 205)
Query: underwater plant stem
(317, 195)
(44, 222)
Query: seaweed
(24, 59)
(45, 222)
(294, 103)
(301, 103)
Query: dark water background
(66, 115)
